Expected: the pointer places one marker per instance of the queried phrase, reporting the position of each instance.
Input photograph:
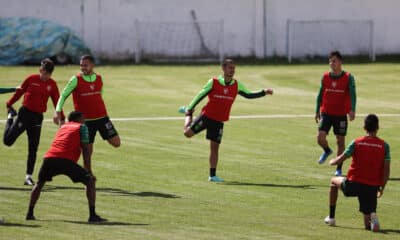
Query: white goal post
(191, 41)
(316, 38)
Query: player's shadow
(7, 224)
(394, 179)
(269, 185)
(15, 189)
(114, 191)
(388, 231)
(108, 223)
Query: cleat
(215, 179)
(182, 109)
(338, 172)
(330, 221)
(96, 219)
(374, 223)
(324, 156)
(30, 217)
(29, 181)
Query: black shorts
(214, 128)
(367, 195)
(104, 126)
(339, 124)
(56, 166)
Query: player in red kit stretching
(87, 89)
(336, 99)
(367, 176)
(62, 157)
(37, 89)
(221, 92)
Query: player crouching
(62, 157)
(367, 176)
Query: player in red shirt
(336, 99)
(87, 89)
(221, 92)
(37, 89)
(62, 157)
(368, 174)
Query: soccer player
(336, 99)
(367, 176)
(37, 89)
(221, 92)
(62, 157)
(87, 89)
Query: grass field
(155, 186)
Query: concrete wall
(107, 26)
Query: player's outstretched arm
(244, 92)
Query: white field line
(271, 116)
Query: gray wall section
(108, 26)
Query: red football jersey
(335, 95)
(368, 161)
(67, 143)
(87, 98)
(220, 100)
(36, 93)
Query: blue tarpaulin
(29, 40)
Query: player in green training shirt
(221, 92)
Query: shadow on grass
(7, 224)
(394, 179)
(109, 223)
(269, 185)
(114, 191)
(15, 189)
(387, 231)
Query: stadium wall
(251, 27)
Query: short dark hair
(88, 57)
(336, 54)
(227, 61)
(371, 123)
(47, 65)
(74, 116)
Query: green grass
(155, 186)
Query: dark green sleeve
(84, 134)
(244, 92)
(349, 149)
(201, 95)
(353, 95)
(319, 99)
(7, 90)
(387, 152)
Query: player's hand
(352, 115)
(380, 192)
(333, 162)
(58, 119)
(317, 117)
(268, 91)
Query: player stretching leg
(37, 89)
(62, 157)
(367, 176)
(87, 89)
(221, 92)
(336, 99)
